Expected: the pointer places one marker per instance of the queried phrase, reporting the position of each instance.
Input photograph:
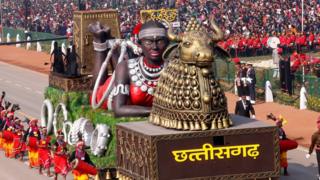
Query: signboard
(215, 156)
(249, 150)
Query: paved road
(26, 88)
(11, 169)
(23, 86)
(301, 168)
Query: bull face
(196, 45)
(195, 48)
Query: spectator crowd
(247, 23)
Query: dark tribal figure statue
(134, 79)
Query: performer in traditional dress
(44, 151)
(283, 154)
(285, 143)
(2, 118)
(32, 138)
(60, 159)
(81, 155)
(19, 146)
(8, 132)
(135, 79)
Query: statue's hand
(100, 32)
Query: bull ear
(220, 52)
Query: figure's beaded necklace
(144, 76)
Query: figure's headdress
(152, 29)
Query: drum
(33, 143)
(83, 167)
(8, 136)
(287, 144)
(60, 164)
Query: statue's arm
(100, 36)
(120, 101)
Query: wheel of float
(67, 133)
(46, 115)
(99, 140)
(57, 110)
(85, 127)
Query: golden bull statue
(188, 97)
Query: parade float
(189, 131)
(67, 104)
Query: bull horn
(171, 35)
(217, 32)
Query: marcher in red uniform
(264, 43)
(250, 48)
(32, 138)
(298, 42)
(258, 46)
(311, 39)
(60, 159)
(230, 48)
(292, 42)
(283, 43)
(45, 158)
(242, 46)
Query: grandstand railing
(34, 35)
(225, 71)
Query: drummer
(60, 159)
(81, 155)
(282, 136)
(32, 136)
